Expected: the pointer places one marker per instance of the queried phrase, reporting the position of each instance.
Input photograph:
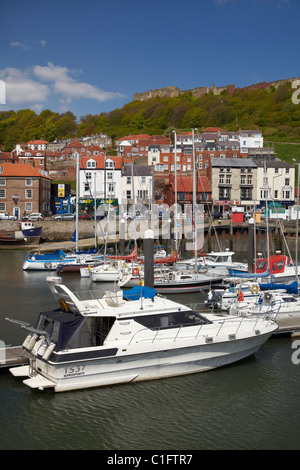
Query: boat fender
(49, 351)
(63, 304)
(241, 297)
(32, 341)
(27, 340)
(38, 344)
(42, 348)
(254, 289)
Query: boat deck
(13, 356)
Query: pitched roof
(36, 142)
(99, 159)
(213, 129)
(21, 170)
(138, 170)
(74, 144)
(232, 162)
(185, 184)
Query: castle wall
(173, 91)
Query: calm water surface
(253, 404)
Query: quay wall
(219, 235)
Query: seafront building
(228, 168)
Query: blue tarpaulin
(291, 288)
(139, 291)
(236, 273)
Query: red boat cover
(277, 264)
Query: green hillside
(271, 110)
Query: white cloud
(51, 73)
(21, 89)
(69, 88)
(22, 45)
(34, 86)
(43, 42)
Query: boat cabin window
(289, 299)
(100, 327)
(172, 320)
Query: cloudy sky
(92, 56)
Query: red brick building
(23, 188)
(138, 145)
(185, 190)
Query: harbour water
(253, 404)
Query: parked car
(128, 216)
(5, 216)
(100, 216)
(66, 216)
(84, 216)
(217, 215)
(35, 216)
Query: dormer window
(109, 164)
(91, 164)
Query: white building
(137, 184)
(277, 183)
(250, 139)
(100, 177)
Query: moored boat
(112, 340)
(27, 234)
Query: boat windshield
(217, 258)
(172, 320)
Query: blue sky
(91, 56)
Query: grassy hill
(271, 110)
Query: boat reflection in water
(127, 337)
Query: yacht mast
(194, 200)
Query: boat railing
(230, 324)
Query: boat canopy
(62, 326)
(291, 288)
(139, 291)
(236, 273)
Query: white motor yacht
(281, 306)
(113, 340)
(217, 262)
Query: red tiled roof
(185, 184)
(36, 142)
(213, 129)
(21, 169)
(75, 143)
(100, 161)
